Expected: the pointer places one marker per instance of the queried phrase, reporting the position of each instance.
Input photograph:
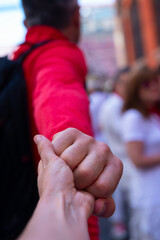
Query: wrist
(64, 212)
(64, 205)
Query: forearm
(144, 161)
(56, 220)
(147, 161)
(136, 152)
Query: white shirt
(110, 120)
(96, 100)
(145, 186)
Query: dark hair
(122, 71)
(119, 72)
(55, 13)
(132, 99)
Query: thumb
(45, 150)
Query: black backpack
(19, 193)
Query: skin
(149, 96)
(94, 167)
(139, 158)
(61, 203)
(121, 84)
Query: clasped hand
(79, 168)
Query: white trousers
(144, 224)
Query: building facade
(140, 21)
(97, 39)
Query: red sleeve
(60, 100)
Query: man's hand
(56, 181)
(96, 170)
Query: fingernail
(104, 209)
(37, 139)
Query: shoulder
(134, 127)
(64, 54)
(115, 100)
(132, 114)
(63, 48)
(112, 104)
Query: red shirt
(55, 76)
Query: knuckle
(69, 160)
(90, 139)
(102, 151)
(85, 174)
(118, 165)
(74, 130)
(104, 148)
(104, 189)
(87, 140)
(75, 133)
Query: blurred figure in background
(110, 121)
(97, 96)
(141, 129)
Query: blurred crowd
(127, 118)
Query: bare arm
(61, 204)
(56, 219)
(136, 153)
(62, 211)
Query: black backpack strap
(25, 54)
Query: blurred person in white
(97, 95)
(110, 121)
(141, 129)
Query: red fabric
(55, 75)
(155, 110)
